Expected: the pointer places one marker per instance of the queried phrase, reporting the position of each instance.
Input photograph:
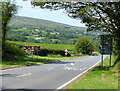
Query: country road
(47, 76)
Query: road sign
(106, 44)
(66, 50)
(31, 48)
(37, 48)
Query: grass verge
(98, 78)
(13, 56)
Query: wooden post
(32, 55)
(37, 54)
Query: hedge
(45, 52)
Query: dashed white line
(24, 75)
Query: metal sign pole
(101, 50)
(102, 60)
(110, 51)
(110, 60)
(106, 47)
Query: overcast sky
(57, 16)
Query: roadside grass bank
(13, 56)
(19, 61)
(98, 78)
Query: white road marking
(65, 84)
(68, 68)
(24, 75)
(74, 68)
(72, 64)
(80, 69)
(50, 68)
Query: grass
(98, 78)
(13, 56)
(45, 46)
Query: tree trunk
(116, 46)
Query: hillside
(42, 31)
(27, 20)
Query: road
(47, 76)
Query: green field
(46, 46)
(98, 78)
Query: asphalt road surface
(47, 76)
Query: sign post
(31, 49)
(106, 46)
(37, 48)
(66, 52)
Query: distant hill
(27, 20)
(44, 31)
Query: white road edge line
(65, 84)
(24, 75)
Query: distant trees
(96, 44)
(8, 10)
(84, 45)
(52, 33)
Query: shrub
(12, 52)
(45, 52)
(11, 49)
(84, 45)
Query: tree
(84, 45)
(8, 9)
(96, 44)
(103, 16)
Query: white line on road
(72, 64)
(24, 75)
(68, 68)
(50, 68)
(65, 84)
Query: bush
(95, 54)
(12, 52)
(11, 49)
(84, 45)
